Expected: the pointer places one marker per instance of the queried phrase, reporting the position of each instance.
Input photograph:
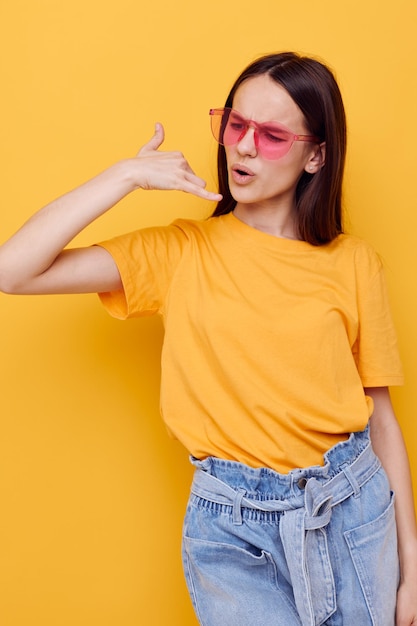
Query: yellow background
(92, 490)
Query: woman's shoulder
(200, 224)
(354, 249)
(211, 228)
(353, 243)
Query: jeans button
(302, 483)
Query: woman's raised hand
(168, 170)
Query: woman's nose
(247, 144)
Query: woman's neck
(279, 223)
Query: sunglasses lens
(274, 141)
(218, 119)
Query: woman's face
(253, 179)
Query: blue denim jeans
(315, 546)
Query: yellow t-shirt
(268, 341)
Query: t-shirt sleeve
(146, 260)
(376, 349)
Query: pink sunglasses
(272, 139)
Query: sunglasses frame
(258, 128)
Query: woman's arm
(33, 260)
(389, 446)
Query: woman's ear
(317, 160)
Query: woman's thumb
(155, 141)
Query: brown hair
(313, 88)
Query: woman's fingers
(183, 178)
(169, 170)
(197, 188)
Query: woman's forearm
(389, 446)
(388, 443)
(35, 247)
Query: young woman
(278, 353)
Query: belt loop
(237, 506)
(352, 480)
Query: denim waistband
(306, 498)
(265, 483)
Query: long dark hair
(313, 88)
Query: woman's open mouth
(241, 174)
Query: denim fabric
(315, 546)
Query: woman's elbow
(11, 286)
